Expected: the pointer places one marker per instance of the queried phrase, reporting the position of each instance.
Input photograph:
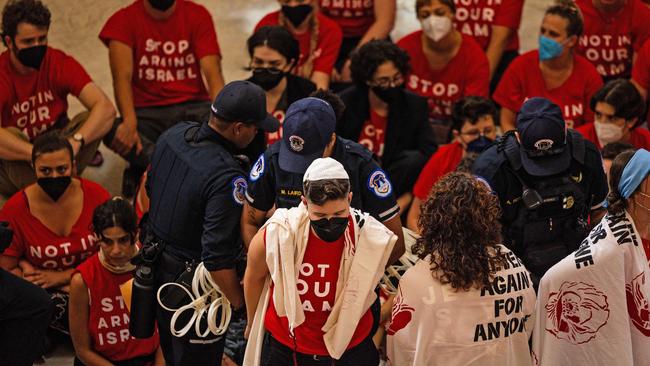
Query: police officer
(308, 133)
(197, 188)
(549, 180)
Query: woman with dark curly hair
(388, 120)
(468, 299)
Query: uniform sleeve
(260, 193)
(510, 93)
(478, 74)
(329, 42)
(641, 70)
(377, 192)
(72, 77)
(204, 35)
(118, 28)
(509, 14)
(8, 214)
(641, 24)
(220, 242)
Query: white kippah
(325, 168)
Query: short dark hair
(615, 201)
(470, 109)
(449, 3)
(611, 150)
(623, 96)
(49, 142)
(321, 191)
(23, 11)
(366, 60)
(334, 101)
(568, 10)
(276, 38)
(116, 212)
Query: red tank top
(108, 320)
(317, 289)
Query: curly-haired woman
(468, 299)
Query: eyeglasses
(477, 134)
(386, 82)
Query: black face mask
(266, 79)
(32, 56)
(479, 144)
(161, 5)
(330, 230)
(297, 14)
(54, 187)
(388, 95)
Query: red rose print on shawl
(401, 315)
(637, 304)
(576, 312)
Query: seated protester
(618, 109)
(327, 318)
(593, 305)
(553, 72)
(360, 22)
(610, 151)
(35, 81)
(445, 64)
(389, 121)
(319, 38)
(51, 222)
(494, 25)
(274, 53)
(474, 129)
(641, 74)
(160, 51)
(462, 273)
(96, 299)
(614, 31)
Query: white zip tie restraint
(205, 295)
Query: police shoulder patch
(239, 186)
(379, 184)
(258, 169)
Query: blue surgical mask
(479, 144)
(549, 48)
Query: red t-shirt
(523, 79)
(166, 53)
(273, 137)
(445, 160)
(610, 40)
(327, 45)
(317, 289)
(466, 74)
(639, 137)
(373, 133)
(641, 70)
(477, 17)
(35, 102)
(354, 17)
(41, 247)
(108, 316)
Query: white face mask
(436, 27)
(608, 132)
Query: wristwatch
(79, 138)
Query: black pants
(277, 354)
(138, 361)
(25, 311)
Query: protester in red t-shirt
(553, 72)
(318, 36)
(474, 128)
(389, 121)
(35, 81)
(51, 222)
(317, 313)
(641, 73)
(445, 64)
(618, 109)
(160, 53)
(614, 31)
(99, 314)
(494, 25)
(361, 22)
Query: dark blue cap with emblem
(243, 101)
(543, 138)
(307, 129)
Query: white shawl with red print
(592, 306)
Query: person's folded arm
(13, 147)
(211, 69)
(256, 272)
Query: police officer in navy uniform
(308, 133)
(197, 187)
(549, 181)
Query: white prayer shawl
(593, 305)
(362, 265)
(433, 324)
